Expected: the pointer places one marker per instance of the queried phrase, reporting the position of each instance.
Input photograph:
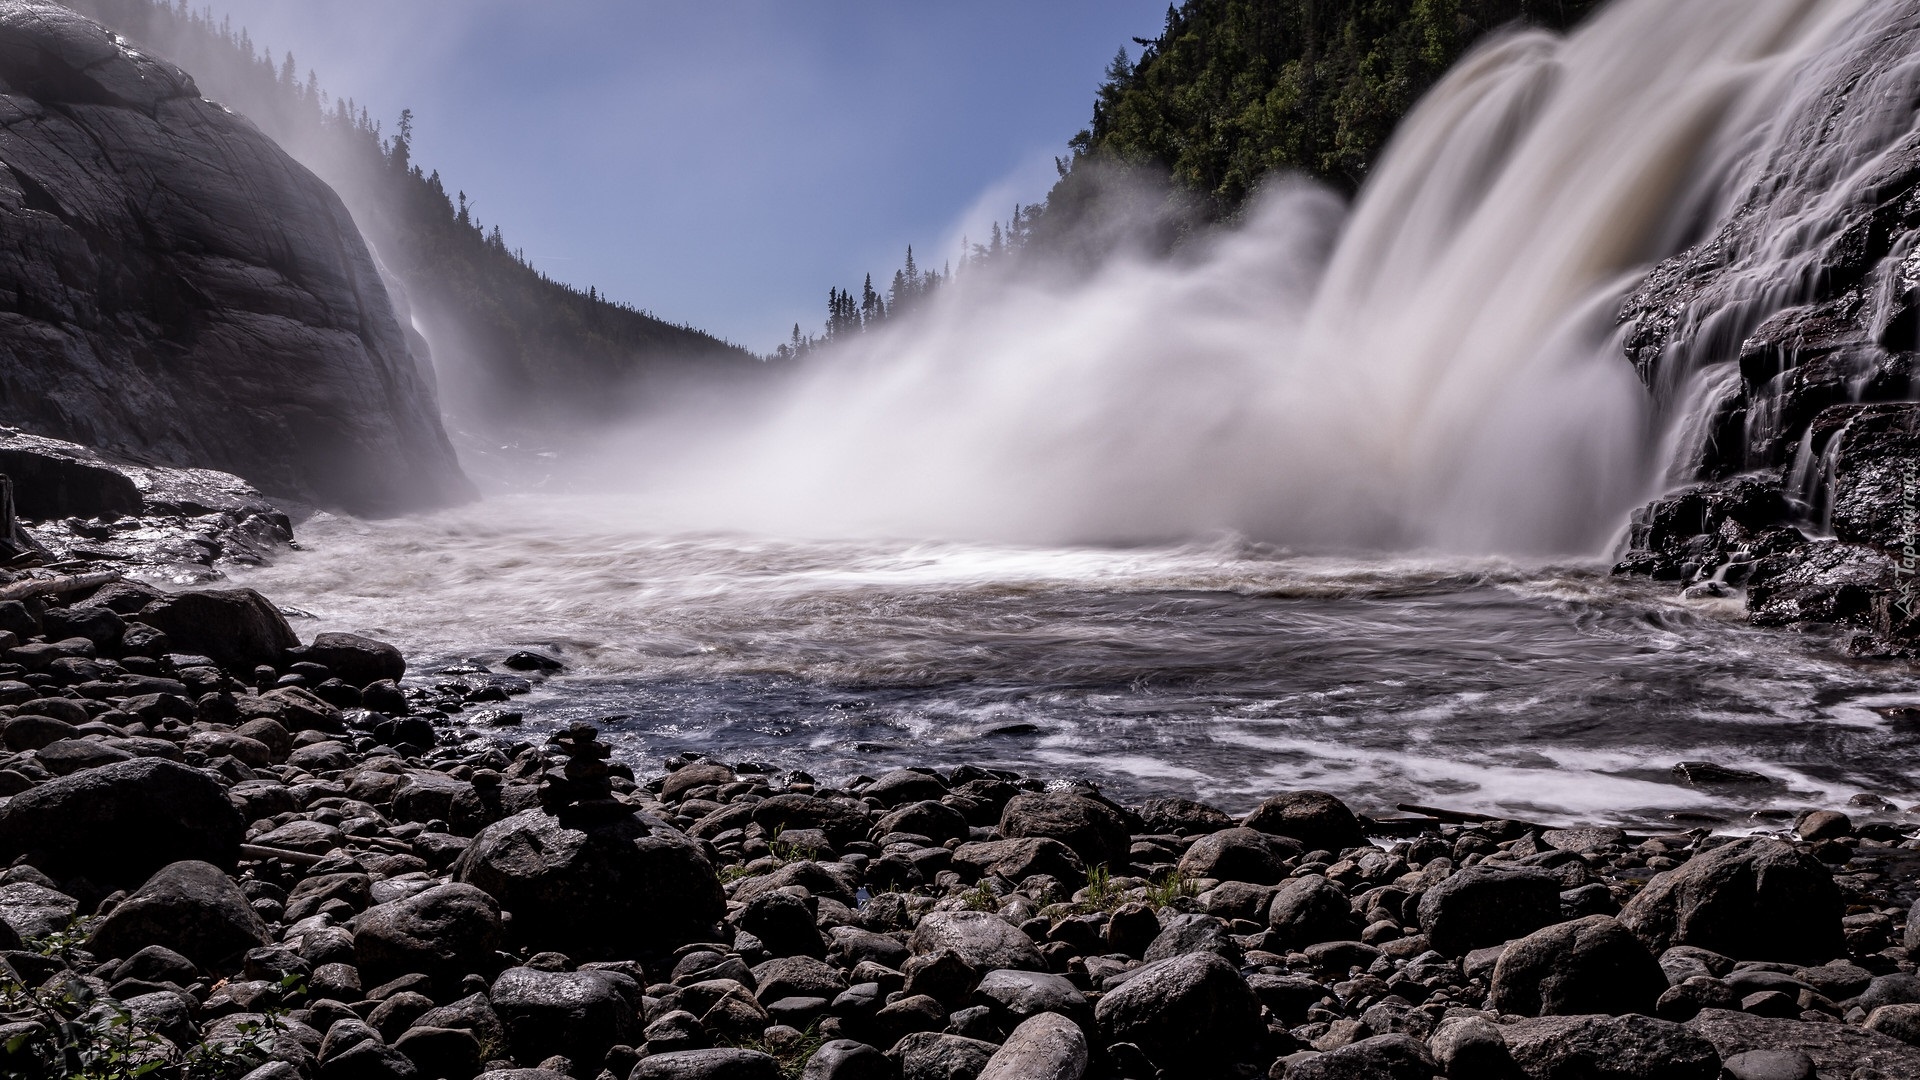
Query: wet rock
(1194, 1008)
(707, 1065)
(1240, 854)
(1182, 817)
(1610, 1048)
(1481, 906)
(1317, 820)
(927, 1055)
(1043, 1047)
(119, 823)
(624, 887)
(191, 907)
(1382, 1057)
(845, 1059)
(984, 940)
(238, 628)
(445, 932)
(1590, 965)
(903, 786)
(1016, 860)
(577, 1015)
(1823, 582)
(1836, 1049)
(1091, 828)
(1308, 910)
(1754, 899)
(357, 660)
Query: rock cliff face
(174, 287)
(1791, 335)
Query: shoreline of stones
(233, 855)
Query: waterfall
(1439, 366)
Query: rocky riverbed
(237, 855)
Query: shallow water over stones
(1223, 671)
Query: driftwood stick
(1464, 817)
(259, 851)
(65, 583)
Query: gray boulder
(1240, 854)
(1482, 906)
(624, 888)
(1590, 965)
(1382, 1057)
(117, 824)
(845, 1059)
(929, 1055)
(1183, 1010)
(1094, 830)
(1610, 1048)
(1319, 821)
(178, 288)
(445, 933)
(192, 908)
(1044, 1047)
(725, 1064)
(1753, 899)
(1311, 909)
(1836, 1049)
(984, 940)
(578, 1015)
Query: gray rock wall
(175, 287)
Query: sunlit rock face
(174, 286)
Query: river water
(1224, 670)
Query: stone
(1752, 899)
(1017, 996)
(934, 820)
(1836, 1049)
(193, 908)
(148, 221)
(1240, 854)
(1590, 965)
(1194, 1008)
(692, 775)
(578, 1015)
(1182, 817)
(843, 822)
(440, 1052)
(1317, 820)
(1091, 828)
(445, 932)
(355, 659)
(1466, 1047)
(1192, 933)
(1482, 906)
(1017, 860)
(1381, 1057)
(929, 1055)
(238, 628)
(796, 976)
(1896, 1021)
(620, 889)
(984, 940)
(784, 924)
(33, 910)
(1769, 1065)
(117, 824)
(1311, 909)
(902, 786)
(1044, 1047)
(1610, 1048)
(845, 1059)
(721, 1064)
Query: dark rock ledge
(278, 861)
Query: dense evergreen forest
(1232, 91)
(529, 350)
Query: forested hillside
(521, 350)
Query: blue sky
(722, 163)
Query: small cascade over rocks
(1784, 345)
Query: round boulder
(1091, 828)
(1482, 906)
(1186, 1009)
(117, 824)
(354, 659)
(193, 908)
(1753, 899)
(1309, 910)
(1240, 854)
(982, 939)
(625, 888)
(1590, 965)
(445, 933)
(1319, 821)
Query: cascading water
(1439, 368)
